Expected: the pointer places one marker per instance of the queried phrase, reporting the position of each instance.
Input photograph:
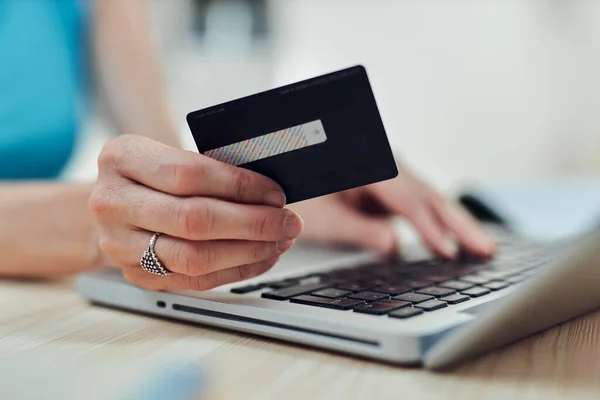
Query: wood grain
(70, 349)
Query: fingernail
(449, 248)
(293, 225)
(283, 246)
(275, 198)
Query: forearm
(128, 70)
(46, 229)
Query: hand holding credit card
(315, 137)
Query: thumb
(373, 233)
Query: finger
(432, 233)
(186, 173)
(467, 231)
(199, 218)
(403, 201)
(360, 230)
(189, 257)
(205, 282)
(204, 258)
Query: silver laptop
(415, 312)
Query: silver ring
(150, 262)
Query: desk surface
(49, 335)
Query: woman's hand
(360, 217)
(220, 224)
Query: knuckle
(116, 151)
(243, 184)
(188, 266)
(186, 172)
(180, 254)
(192, 216)
(106, 159)
(262, 226)
(259, 251)
(202, 283)
(210, 256)
(203, 259)
(270, 224)
(207, 216)
(102, 203)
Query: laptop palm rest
(476, 310)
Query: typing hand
(360, 217)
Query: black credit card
(315, 137)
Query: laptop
(409, 311)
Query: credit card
(314, 137)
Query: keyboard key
(417, 284)
(497, 285)
(312, 276)
(333, 280)
(246, 289)
(457, 285)
(494, 274)
(344, 272)
(476, 291)
(311, 279)
(368, 296)
(355, 286)
(282, 284)
(331, 293)
(505, 266)
(287, 293)
(338, 304)
(393, 290)
(476, 279)
(463, 270)
(436, 291)
(405, 312)
(431, 305)
(412, 297)
(380, 307)
(455, 298)
(437, 278)
(514, 266)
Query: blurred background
(470, 91)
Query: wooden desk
(50, 336)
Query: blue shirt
(40, 86)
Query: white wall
(469, 90)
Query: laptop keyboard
(402, 289)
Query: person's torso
(40, 81)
